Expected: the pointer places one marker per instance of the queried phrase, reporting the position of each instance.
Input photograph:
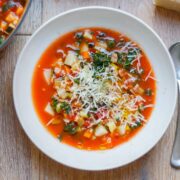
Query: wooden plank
(61, 6)
(18, 157)
(33, 18)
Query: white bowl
(160, 60)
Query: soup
(93, 88)
(10, 14)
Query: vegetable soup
(10, 14)
(93, 88)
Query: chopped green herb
(66, 107)
(54, 103)
(141, 108)
(100, 61)
(148, 92)
(111, 43)
(71, 128)
(7, 6)
(60, 137)
(77, 80)
(79, 35)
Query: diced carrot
(71, 117)
(76, 104)
(67, 69)
(85, 54)
(56, 121)
(11, 17)
(122, 72)
(3, 25)
(88, 133)
(19, 10)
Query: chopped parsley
(70, 128)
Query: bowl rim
(113, 10)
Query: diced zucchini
(100, 130)
(122, 129)
(49, 109)
(47, 75)
(80, 121)
(70, 58)
(88, 35)
(75, 66)
(61, 92)
(83, 114)
(112, 126)
(58, 108)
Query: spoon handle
(175, 158)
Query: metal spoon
(175, 158)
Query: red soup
(93, 88)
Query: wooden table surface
(20, 159)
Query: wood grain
(20, 159)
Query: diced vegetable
(49, 109)
(100, 130)
(138, 89)
(84, 47)
(71, 128)
(75, 66)
(88, 133)
(80, 121)
(112, 126)
(70, 58)
(122, 129)
(111, 43)
(47, 75)
(88, 35)
(66, 107)
(58, 108)
(55, 121)
(114, 58)
(11, 17)
(83, 114)
(148, 92)
(79, 35)
(61, 93)
(101, 44)
(19, 10)
(3, 25)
